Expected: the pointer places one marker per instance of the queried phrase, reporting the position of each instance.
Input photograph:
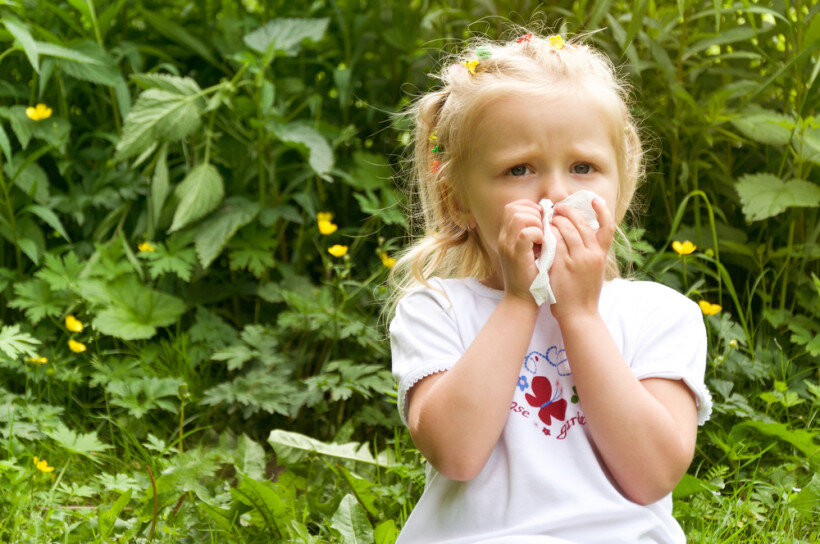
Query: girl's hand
(577, 273)
(521, 231)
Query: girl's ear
(458, 212)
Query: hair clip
(484, 51)
(524, 38)
(435, 166)
(556, 42)
(470, 65)
(433, 136)
(437, 149)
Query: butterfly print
(549, 405)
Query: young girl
(564, 422)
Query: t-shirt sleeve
(672, 345)
(424, 340)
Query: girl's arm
(456, 417)
(644, 430)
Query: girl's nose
(555, 187)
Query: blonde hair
(446, 117)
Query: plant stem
(12, 221)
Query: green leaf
(212, 235)
(139, 396)
(292, 447)
(171, 257)
(49, 217)
(766, 127)
(807, 501)
(167, 82)
(800, 439)
(32, 179)
(765, 195)
(37, 300)
(87, 61)
(351, 521)
(84, 444)
(135, 311)
(200, 192)
(21, 125)
(249, 458)
(269, 503)
(178, 34)
(309, 142)
(5, 144)
(158, 116)
(159, 184)
(106, 518)
(363, 490)
(386, 532)
(61, 274)
(23, 37)
(285, 35)
(15, 343)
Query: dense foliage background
(182, 358)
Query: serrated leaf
(84, 444)
(386, 532)
(285, 35)
(212, 235)
(167, 82)
(15, 343)
(88, 61)
(766, 127)
(37, 300)
(350, 519)
(59, 273)
(765, 195)
(21, 125)
(23, 36)
(173, 258)
(32, 179)
(158, 116)
(139, 396)
(310, 143)
(200, 193)
(49, 217)
(250, 458)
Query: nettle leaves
(765, 195)
(173, 109)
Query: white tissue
(581, 201)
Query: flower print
(337, 250)
(709, 309)
(76, 347)
(523, 384)
(146, 247)
(683, 248)
(548, 404)
(73, 324)
(326, 225)
(38, 112)
(42, 465)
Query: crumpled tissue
(580, 200)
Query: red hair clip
(435, 166)
(525, 38)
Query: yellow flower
(732, 343)
(73, 324)
(387, 261)
(76, 347)
(470, 65)
(38, 360)
(337, 250)
(708, 308)
(325, 221)
(38, 113)
(146, 246)
(326, 227)
(556, 42)
(684, 248)
(42, 465)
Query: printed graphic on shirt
(545, 405)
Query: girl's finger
(580, 223)
(606, 231)
(570, 234)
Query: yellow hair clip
(556, 42)
(470, 65)
(434, 136)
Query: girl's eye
(519, 170)
(582, 168)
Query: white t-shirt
(544, 481)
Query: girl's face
(533, 148)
